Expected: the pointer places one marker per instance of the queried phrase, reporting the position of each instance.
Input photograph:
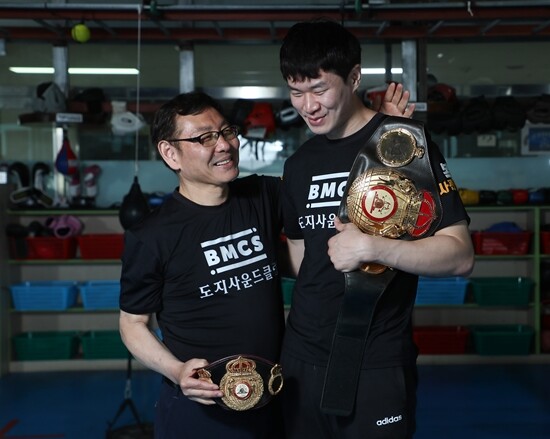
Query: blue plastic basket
(441, 291)
(44, 296)
(100, 294)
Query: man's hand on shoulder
(395, 102)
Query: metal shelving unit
(75, 318)
(530, 218)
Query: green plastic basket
(288, 287)
(502, 291)
(103, 345)
(46, 345)
(503, 339)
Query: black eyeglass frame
(234, 130)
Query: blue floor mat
(454, 402)
(72, 405)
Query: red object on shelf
(46, 247)
(520, 196)
(545, 242)
(441, 339)
(545, 341)
(101, 246)
(66, 162)
(501, 243)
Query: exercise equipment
(508, 114)
(477, 116)
(22, 195)
(134, 206)
(81, 33)
(65, 161)
(139, 430)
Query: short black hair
(192, 103)
(310, 47)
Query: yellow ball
(80, 33)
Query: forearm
(296, 249)
(438, 255)
(147, 348)
(448, 253)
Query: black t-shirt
(313, 185)
(210, 272)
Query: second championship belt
(391, 192)
(247, 381)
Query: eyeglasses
(211, 137)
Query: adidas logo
(389, 420)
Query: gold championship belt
(383, 201)
(247, 381)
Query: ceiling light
(76, 71)
(102, 71)
(31, 70)
(381, 71)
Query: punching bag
(134, 206)
(66, 162)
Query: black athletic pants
(177, 417)
(385, 406)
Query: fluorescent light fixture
(381, 71)
(248, 92)
(102, 71)
(75, 71)
(31, 70)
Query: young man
(321, 62)
(205, 264)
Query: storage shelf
(75, 317)
(530, 217)
(507, 208)
(73, 310)
(474, 305)
(121, 364)
(49, 212)
(71, 317)
(504, 257)
(64, 261)
(483, 359)
(72, 365)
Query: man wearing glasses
(204, 263)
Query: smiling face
(204, 172)
(327, 103)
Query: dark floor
(454, 402)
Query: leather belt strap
(348, 345)
(363, 290)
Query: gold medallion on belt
(385, 202)
(242, 385)
(397, 147)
